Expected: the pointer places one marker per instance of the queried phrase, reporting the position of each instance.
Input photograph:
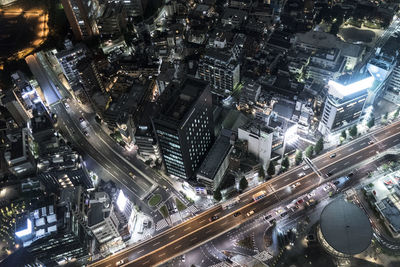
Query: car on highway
(250, 213)
(310, 195)
(279, 211)
(213, 218)
(350, 174)
(295, 185)
(66, 105)
(332, 155)
(132, 175)
(81, 119)
(85, 133)
(302, 174)
(306, 167)
(119, 263)
(299, 201)
(237, 214)
(330, 173)
(370, 142)
(284, 214)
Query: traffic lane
(194, 239)
(362, 155)
(78, 138)
(108, 157)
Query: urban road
(199, 230)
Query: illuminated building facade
(344, 104)
(184, 129)
(81, 15)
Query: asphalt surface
(198, 230)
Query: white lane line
(208, 231)
(202, 221)
(193, 239)
(140, 251)
(346, 163)
(351, 149)
(188, 228)
(155, 244)
(372, 151)
(144, 263)
(359, 157)
(287, 179)
(224, 222)
(178, 246)
(163, 254)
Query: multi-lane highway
(198, 230)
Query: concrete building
(69, 60)
(102, 220)
(214, 166)
(259, 139)
(82, 15)
(325, 65)
(16, 108)
(220, 69)
(18, 157)
(250, 92)
(344, 104)
(184, 128)
(113, 20)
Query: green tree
(217, 195)
(319, 146)
(261, 173)
(309, 151)
(243, 184)
(343, 134)
(271, 168)
(299, 157)
(353, 131)
(396, 114)
(385, 116)
(371, 122)
(285, 162)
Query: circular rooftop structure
(345, 227)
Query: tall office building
(219, 68)
(184, 128)
(344, 104)
(82, 15)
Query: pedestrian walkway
(263, 256)
(176, 217)
(161, 224)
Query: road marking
(287, 179)
(202, 221)
(224, 222)
(347, 162)
(140, 251)
(351, 149)
(372, 151)
(193, 239)
(163, 254)
(188, 228)
(396, 140)
(178, 246)
(155, 244)
(144, 263)
(208, 231)
(359, 157)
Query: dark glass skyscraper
(184, 127)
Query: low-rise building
(215, 164)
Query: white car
(295, 185)
(310, 195)
(120, 262)
(306, 167)
(302, 174)
(66, 105)
(326, 188)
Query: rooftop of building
(184, 97)
(257, 127)
(389, 207)
(346, 227)
(216, 155)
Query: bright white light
(340, 91)
(121, 200)
(26, 231)
(291, 135)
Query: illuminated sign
(121, 200)
(340, 91)
(26, 231)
